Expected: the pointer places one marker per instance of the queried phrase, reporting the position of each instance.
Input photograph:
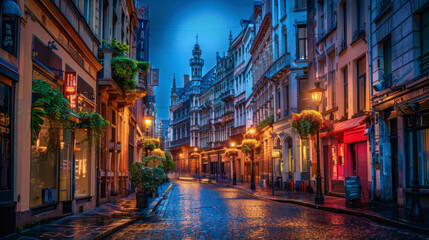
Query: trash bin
(263, 183)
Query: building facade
(57, 173)
(262, 98)
(399, 71)
(64, 169)
(339, 63)
(289, 75)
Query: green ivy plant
(37, 114)
(93, 121)
(265, 122)
(51, 104)
(55, 104)
(120, 48)
(144, 66)
(125, 71)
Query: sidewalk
(97, 223)
(380, 212)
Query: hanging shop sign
(10, 35)
(277, 153)
(70, 88)
(155, 77)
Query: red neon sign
(70, 83)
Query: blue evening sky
(173, 27)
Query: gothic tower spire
(196, 62)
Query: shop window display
(44, 159)
(83, 162)
(5, 136)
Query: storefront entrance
(66, 167)
(359, 166)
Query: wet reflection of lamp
(252, 179)
(197, 162)
(234, 176)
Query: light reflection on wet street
(203, 211)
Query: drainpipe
(372, 128)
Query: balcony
(358, 34)
(107, 84)
(217, 120)
(228, 116)
(179, 142)
(194, 109)
(196, 61)
(279, 67)
(238, 130)
(227, 95)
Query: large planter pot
(142, 199)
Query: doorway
(359, 166)
(326, 168)
(66, 171)
(394, 158)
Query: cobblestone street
(204, 211)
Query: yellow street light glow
(252, 131)
(316, 94)
(233, 144)
(195, 149)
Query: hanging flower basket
(149, 143)
(231, 152)
(307, 122)
(247, 145)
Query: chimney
(185, 79)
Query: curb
(372, 217)
(147, 215)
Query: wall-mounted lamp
(51, 45)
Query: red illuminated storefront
(345, 153)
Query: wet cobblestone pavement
(204, 211)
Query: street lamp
(252, 179)
(147, 123)
(316, 96)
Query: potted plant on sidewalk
(146, 180)
(167, 164)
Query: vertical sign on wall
(70, 88)
(155, 77)
(9, 34)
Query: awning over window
(349, 124)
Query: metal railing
(279, 64)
